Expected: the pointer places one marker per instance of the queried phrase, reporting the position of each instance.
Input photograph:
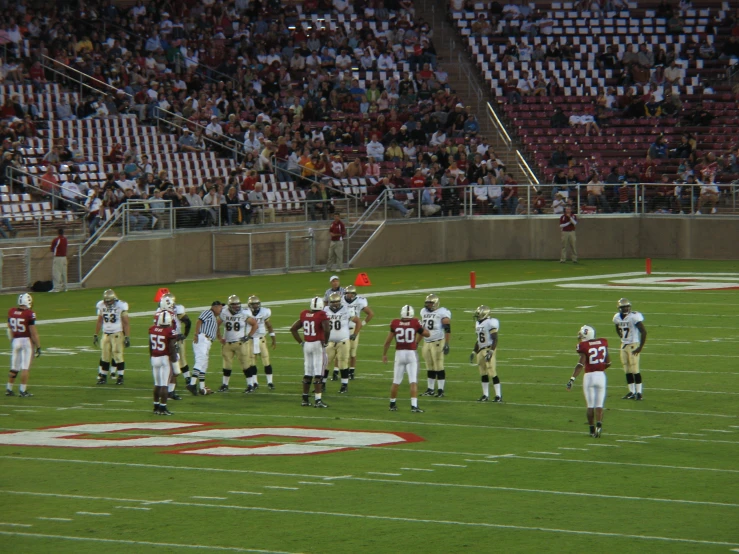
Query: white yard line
(315, 483)
(245, 492)
(415, 469)
(628, 464)
(15, 524)
(143, 543)
(448, 465)
(55, 518)
(93, 514)
(133, 508)
(282, 488)
(388, 474)
(209, 497)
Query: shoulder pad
(179, 309)
(123, 306)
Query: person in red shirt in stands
(59, 266)
(418, 181)
(336, 248)
(567, 224)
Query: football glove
(569, 383)
(489, 356)
(472, 357)
(180, 337)
(38, 351)
(95, 340)
(352, 336)
(446, 349)
(127, 342)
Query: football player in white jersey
(438, 322)
(259, 346)
(182, 324)
(486, 345)
(337, 349)
(630, 327)
(239, 328)
(113, 320)
(358, 305)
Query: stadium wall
(539, 239)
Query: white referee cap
(333, 277)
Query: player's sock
(592, 429)
(630, 382)
(317, 395)
(201, 381)
(325, 376)
(431, 378)
(156, 406)
(344, 376)
(351, 371)
(496, 386)
(104, 368)
(170, 387)
(637, 382)
(441, 376)
(9, 387)
(486, 385)
(121, 368)
(599, 424)
(186, 372)
(268, 373)
(414, 402)
(22, 387)
(226, 376)
(632, 388)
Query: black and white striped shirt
(209, 325)
(330, 291)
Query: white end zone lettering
(665, 282)
(310, 441)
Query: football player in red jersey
(406, 331)
(163, 352)
(24, 341)
(594, 359)
(316, 327)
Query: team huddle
(331, 327)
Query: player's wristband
(271, 334)
(572, 379)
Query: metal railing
(471, 82)
(499, 127)
(51, 64)
(234, 146)
(21, 266)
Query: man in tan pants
(337, 231)
(567, 224)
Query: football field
(88, 468)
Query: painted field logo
(666, 282)
(203, 440)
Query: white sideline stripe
(127, 401)
(133, 508)
(369, 295)
(17, 524)
(314, 483)
(415, 469)
(606, 445)
(717, 431)
(552, 453)
(548, 491)
(55, 518)
(630, 464)
(639, 442)
(93, 513)
(282, 488)
(568, 448)
(244, 492)
(381, 473)
(448, 465)
(209, 497)
(483, 461)
(143, 543)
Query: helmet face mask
(234, 304)
(624, 306)
(316, 304)
(25, 301)
(334, 301)
(109, 297)
(254, 304)
(482, 313)
(350, 293)
(407, 312)
(586, 333)
(432, 302)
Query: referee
(335, 287)
(207, 329)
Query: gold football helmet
(234, 304)
(482, 313)
(334, 301)
(624, 306)
(109, 297)
(254, 303)
(350, 293)
(432, 302)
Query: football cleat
(351, 375)
(597, 433)
(165, 411)
(174, 396)
(224, 388)
(429, 392)
(193, 389)
(335, 376)
(25, 393)
(319, 404)
(483, 398)
(205, 391)
(102, 379)
(249, 389)
(416, 410)
(440, 393)
(255, 387)
(120, 380)
(271, 386)
(305, 401)
(343, 389)
(9, 392)
(156, 411)
(393, 407)
(629, 396)
(638, 396)
(498, 399)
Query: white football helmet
(316, 303)
(167, 302)
(25, 301)
(407, 312)
(164, 319)
(586, 333)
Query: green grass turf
(557, 491)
